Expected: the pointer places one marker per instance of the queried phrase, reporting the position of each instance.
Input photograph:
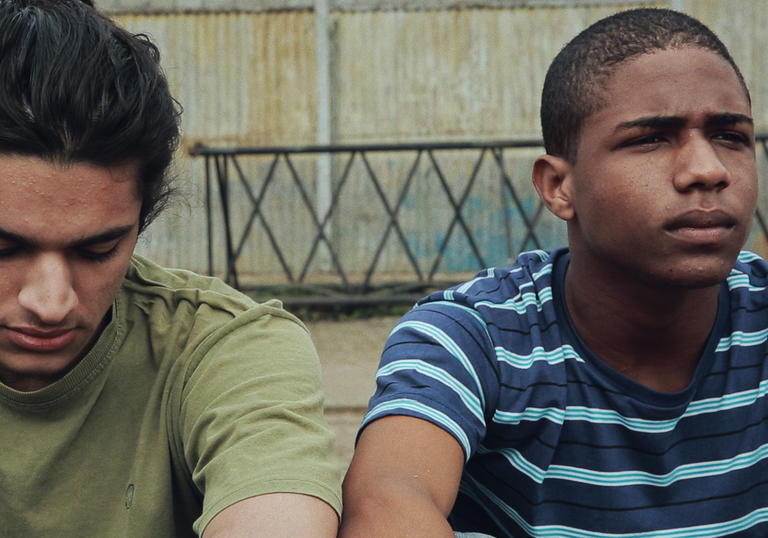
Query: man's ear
(552, 177)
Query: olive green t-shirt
(194, 397)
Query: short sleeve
(438, 365)
(251, 415)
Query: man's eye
(98, 254)
(6, 251)
(642, 143)
(733, 137)
(647, 140)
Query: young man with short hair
(134, 400)
(617, 387)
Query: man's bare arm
(403, 480)
(275, 515)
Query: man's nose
(699, 166)
(48, 292)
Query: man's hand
(403, 480)
(275, 515)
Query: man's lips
(700, 226)
(34, 339)
(702, 219)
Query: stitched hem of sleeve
(467, 445)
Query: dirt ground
(349, 354)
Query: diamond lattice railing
(398, 219)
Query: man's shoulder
(181, 317)
(749, 277)
(148, 285)
(751, 265)
(500, 306)
(144, 272)
(528, 281)
(748, 284)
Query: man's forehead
(658, 80)
(40, 172)
(51, 203)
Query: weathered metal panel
(243, 79)
(447, 74)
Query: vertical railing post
(209, 211)
(323, 81)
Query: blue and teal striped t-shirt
(559, 444)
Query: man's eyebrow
(671, 122)
(728, 118)
(108, 235)
(658, 122)
(12, 237)
(103, 237)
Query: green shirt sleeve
(250, 416)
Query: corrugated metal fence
(460, 70)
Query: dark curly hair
(75, 87)
(573, 85)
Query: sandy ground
(349, 353)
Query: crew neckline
(84, 372)
(613, 377)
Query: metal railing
(224, 170)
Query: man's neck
(651, 333)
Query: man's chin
(698, 276)
(26, 371)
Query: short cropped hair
(573, 84)
(75, 87)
